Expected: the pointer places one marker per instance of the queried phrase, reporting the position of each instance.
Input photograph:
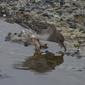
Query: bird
(48, 33)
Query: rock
(18, 38)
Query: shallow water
(71, 72)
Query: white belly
(43, 37)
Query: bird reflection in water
(43, 62)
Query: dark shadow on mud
(42, 62)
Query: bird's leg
(62, 45)
(44, 46)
